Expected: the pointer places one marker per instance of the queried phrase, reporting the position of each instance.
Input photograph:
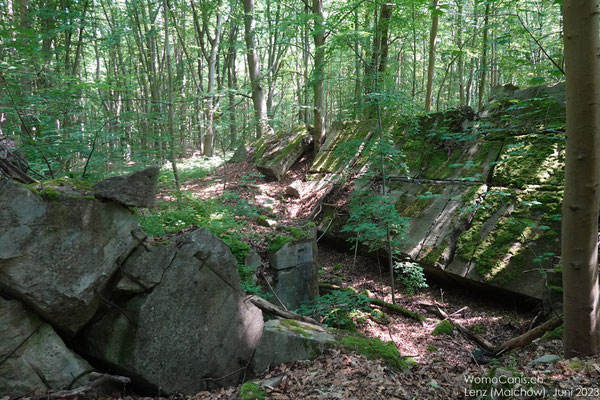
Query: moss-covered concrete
(483, 193)
(513, 233)
(533, 159)
(275, 154)
(340, 146)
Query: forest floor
(444, 366)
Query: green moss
(295, 327)
(556, 333)
(502, 228)
(443, 328)
(432, 348)
(50, 193)
(412, 206)
(374, 348)
(536, 158)
(434, 254)
(478, 329)
(251, 391)
(380, 317)
(555, 288)
(277, 240)
(576, 365)
(238, 248)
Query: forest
(223, 199)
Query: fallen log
(511, 344)
(483, 343)
(528, 336)
(275, 311)
(377, 302)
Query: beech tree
(431, 66)
(582, 179)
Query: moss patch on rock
(443, 328)
(506, 222)
(533, 159)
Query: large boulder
(289, 340)
(186, 326)
(275, 154)
(32, 355)
(295, 271)
(137, 189)
(57, 252)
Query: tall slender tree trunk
(431, 65)
(483, 66)
(319, 72)
(414, 49)
(258, 93)
(582, 179)
(460, 61)
(172, 141)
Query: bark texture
(582, 179)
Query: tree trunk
(258, 93)
(483, 66)
(461, 62)
(431, 65)
(172, 141)
(582, 179)
(319, 72)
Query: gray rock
(289, 340)
(276, 154)
(55, 256)
(191, 327)
(252, 260)
(137, 189)
(145, 267)
(33, 356)
(296, 272)
(294, 189)
(240, 154)
(546, 358)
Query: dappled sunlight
(550, 164)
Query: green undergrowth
(337, 309)
(219, 215)
(191, 169)
(375, 349)
(251, 391)
(287, 234)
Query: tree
(431, 66)
(258, 92)
(582, 179)
(483, 66)
(319, 68)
